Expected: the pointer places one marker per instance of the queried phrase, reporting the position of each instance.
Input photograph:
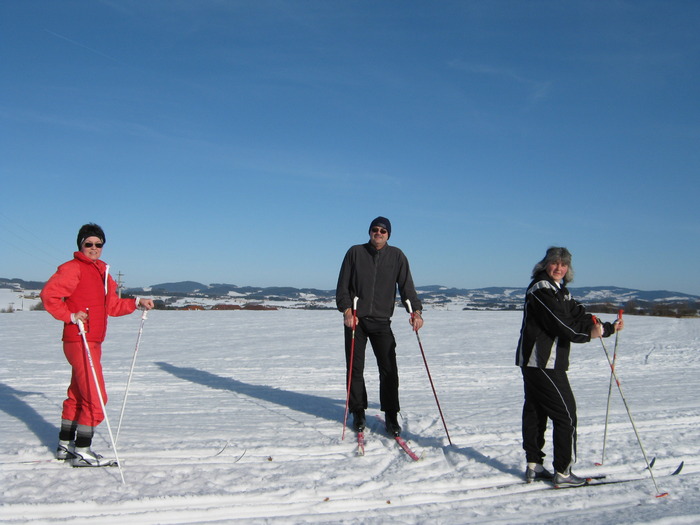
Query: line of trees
(690, 309)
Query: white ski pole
(144, 316)
(659, 494)
(81, 327)
(607, 410)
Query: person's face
(91, 249)
(378, 237)
(557, 270)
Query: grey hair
(555, 254)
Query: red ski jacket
(84, 284)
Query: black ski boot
(392, 424)
(358, 420)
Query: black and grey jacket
(373, 275)
(552, 320)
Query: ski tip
(223, 448)
(598, 464)
(662, 495)
(678, 470)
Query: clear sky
(252, 142)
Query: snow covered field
(271, 385)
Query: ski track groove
(297, 469)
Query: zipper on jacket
(375, 260)
(106, 278)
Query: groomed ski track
(286, 413)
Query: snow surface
(271, 385)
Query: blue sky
(252, 143)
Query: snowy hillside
(190, 294)
(269, 387)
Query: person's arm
(343, 300)
(117, 306)
(407, 291)
(59, 286)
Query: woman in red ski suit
(82, 289)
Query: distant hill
(597, 298)
(19, 283)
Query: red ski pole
(352, 360)
(430, 378)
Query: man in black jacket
(371, 272)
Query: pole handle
(354, 315)
(352, 360)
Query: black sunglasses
(379, 230)
(91, 244)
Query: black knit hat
(90, 230)
(382, 222)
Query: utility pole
(119, 284)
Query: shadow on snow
(318, 406)
(11, 402)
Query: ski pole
(81, 327)
(659, 494)
(144, 316)
(607, 410)
(430, 378)
(352, 362)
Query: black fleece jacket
(373, 275)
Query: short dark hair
(90, 230)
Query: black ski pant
(548, 395)
(379, 334)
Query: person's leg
(534, 425)
(358, 393)
(83, 403)
(384, 347)
(551, 392)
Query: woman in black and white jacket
(552, 320)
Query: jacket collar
(372, 250)
(80, 256)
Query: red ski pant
(83, 403)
